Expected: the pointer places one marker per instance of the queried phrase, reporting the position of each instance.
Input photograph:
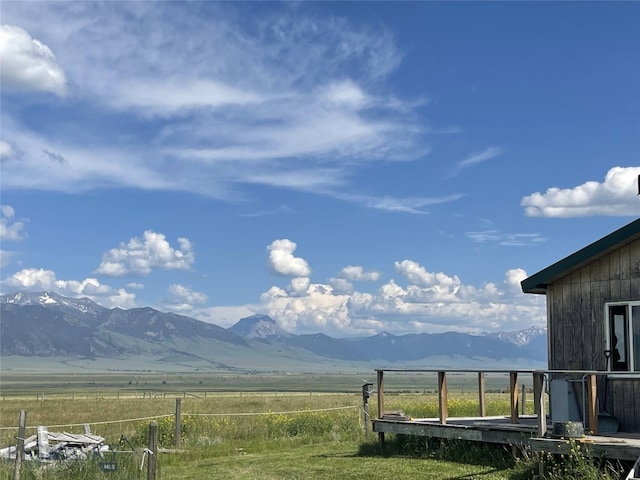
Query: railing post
(592, 392)
(538, 403)
(380, 382)
(481, 394)
(22, 427)
(513, 388)
(442, 397)
(178, 422)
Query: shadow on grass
(496, 458)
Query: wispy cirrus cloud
(505, 239)
(289, 99)
(412, 205)
(475, 159)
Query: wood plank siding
(576, 324)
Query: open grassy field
(142, 384)
(251, 427)
(238, 436)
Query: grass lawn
(331, 461)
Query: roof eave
(538, 282)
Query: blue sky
(344, 167)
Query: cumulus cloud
(39, 279)
(183, 299)
(424, 302)
(141, 256)
(418, 275)
(11, 230)
(341, 285)
(358, 273)
(320, 309)
(283, 262)
(28, 64)
(299, 286)
(615, 196)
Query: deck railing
(588, 378)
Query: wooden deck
(515, 429)
(500, 430)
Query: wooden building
(593, 319)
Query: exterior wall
(576, 324)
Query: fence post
(178, 422)
(22, 426)
(523, 401)
(366, 392)
(153, 451)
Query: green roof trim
(538, 282)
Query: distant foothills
(46, 327)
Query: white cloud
(428, 302)
(505, 239)
(282, 262)
(141, 256)
(358, 273)
(7, 151)
(299, 286)
(224, 316)
(346, 93)
(412, 205)
(175, 95)
(183, 299)
(616, 196)
(11, 230)
(287, 99)
(418, 275)
(341, 285)
(28, 64)
(82, 168)
(38, 279)
(476, 158)
(320, 309)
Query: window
(623, 336)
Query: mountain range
(49, 326)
